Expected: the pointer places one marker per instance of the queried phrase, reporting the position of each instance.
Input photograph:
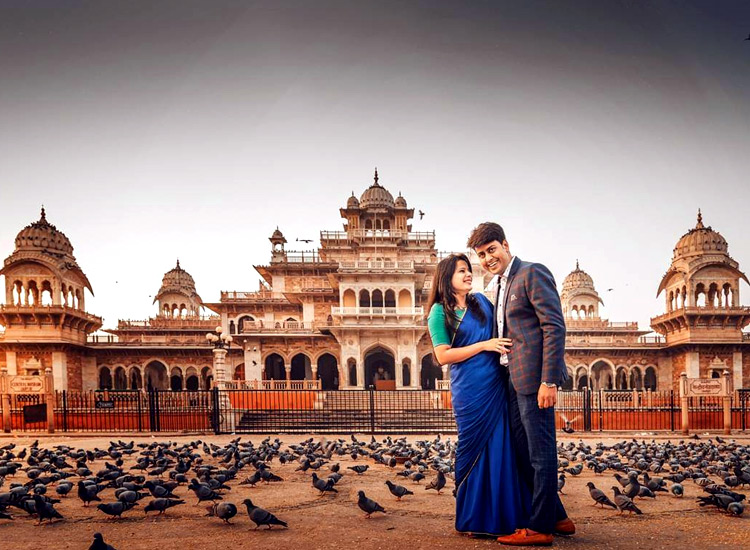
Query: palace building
(348, 314)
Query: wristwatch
(549, 384)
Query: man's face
(494, 256)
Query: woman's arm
(447, 355)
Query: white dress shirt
(500, 309)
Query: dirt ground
(424, 520)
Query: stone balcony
(285, 327)
(374, 266)
(364, 236)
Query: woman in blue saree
(490, 500)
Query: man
(528, 311)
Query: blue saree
(490, 499)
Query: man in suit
(528, 311)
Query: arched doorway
(192, 382)
(636, 382)
(649, 380)
(239, 372)
(301, 367)
(621, 380)
(156, 376)
(568, 384)
(274, 367)
(602, 376)
(175, 379)
(121, 379)
(379, 361)
(406, 372)
(431, 372)
(351, 366)
(136, 380)
(207, 378)
(105, 379)
(328, 372)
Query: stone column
(60, 370)
(5, 396)
(399, 373)
(314, 369)
(11, 362)
(684, 404)
(219, 368)
(727, 402)
(49, 395)
(253, 365)
(220, 381)
(288, 369)
(736, 370)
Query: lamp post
(222, 343)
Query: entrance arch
(328, 372)
(156, 376)
(431, 372)
(379, 361)
(602, 376)
(301, 367)
(274, 368)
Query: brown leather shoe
(524, 537)
(565, 527)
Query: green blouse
(436, 325)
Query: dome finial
(178, 263)
(577, 266)
(43, 217)
(699, 225)
(376, 175)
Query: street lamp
(219, 340)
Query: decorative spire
(43, 217)
(178, 264)
(699, 225)
(376, 176)
(577, 267)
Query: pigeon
(259, 516)
(203, 491)
(599, 496)
(416, 477)
(561, 483)
(438, 483)
(99, 543)
(568, 427)
(161, 505)
(736, 508)
(367, 505)
(222, 510)
(323, 485)
(359, 468)
(88, 493)
(45, 510)
(398, 491)
(677, 489)
(623, 503)
(116, 509)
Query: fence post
(49, 397)
(727, 404)
(138, 397)
(372, 409)
(586, 409)
(742, 397)
(215, 412)
(601, 410)
(684, 404)
(671, 410)
(65, 410)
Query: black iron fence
(368, 411)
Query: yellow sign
(26, 384)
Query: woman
(489, 498)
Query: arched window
(105, 379)
(364, 298)
(390, 298)
(377, 298)
(700, 295)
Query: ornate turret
(278, 254)
(177, 296)
(376, 214)
(579, 298)
(702, 290)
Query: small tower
(702, 291)
(177, 296)
(580, 300)
(44, 313)
(278, 254)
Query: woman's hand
(500, 345)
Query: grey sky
(157, 130)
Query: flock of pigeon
(164, 474)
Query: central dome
(178, 278)
(42, 235)
(700, 240)
(376, 196)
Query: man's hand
(547, 397)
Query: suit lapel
(494, 309)
(513, 270)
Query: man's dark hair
(485, 233)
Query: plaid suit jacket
(533, 319)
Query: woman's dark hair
(443, 293)
(486, 233)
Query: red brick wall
(75, 371)
(679, 364)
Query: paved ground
(422, 521)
